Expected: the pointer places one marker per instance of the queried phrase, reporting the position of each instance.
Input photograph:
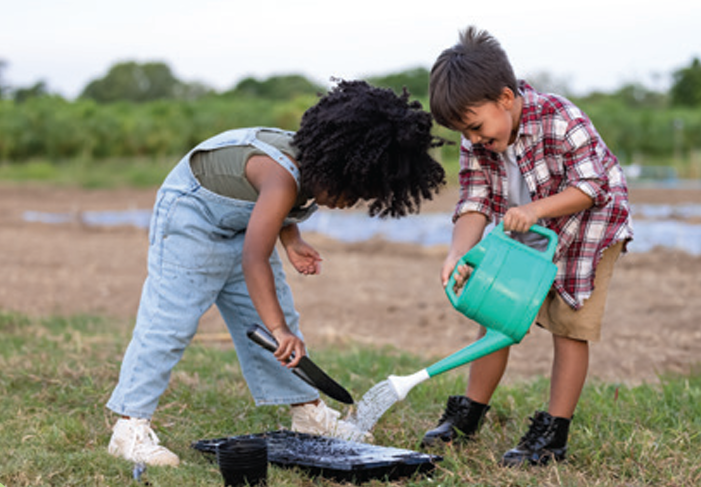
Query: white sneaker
(322, 420)
(134, 440)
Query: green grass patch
(106, 174)
(143, 172)
(57, 374)
(126, 172)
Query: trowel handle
(262, 337)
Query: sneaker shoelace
(331, 415)
(333, 422)
(143, 438)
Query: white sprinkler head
(404, 383)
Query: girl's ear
(507, 97)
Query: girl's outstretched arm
(277, 192)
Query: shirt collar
(529, 125)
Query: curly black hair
(368, 143)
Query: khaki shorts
(560, 319)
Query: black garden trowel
(306, 370)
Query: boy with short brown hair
(527, 158)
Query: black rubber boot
(460, 421)
(546, 439)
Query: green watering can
(504, 292)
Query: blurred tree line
(142, 109)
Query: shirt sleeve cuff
(471, 206)
(595, 191)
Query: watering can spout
(491, 342)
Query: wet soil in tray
(335, 459)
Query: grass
(111, 173)
(57, 374)
(147, 172)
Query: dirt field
(374, 293)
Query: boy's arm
(571, 200)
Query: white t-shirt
(517, 194)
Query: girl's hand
(304, 257)
(289, 344)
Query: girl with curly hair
(212, 239)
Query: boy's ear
(507, 97)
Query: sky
(584, 45)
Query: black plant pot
(243, 461)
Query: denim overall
(194, 261)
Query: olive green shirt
(223, 171)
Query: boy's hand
(288, 344)
(568, 202)
(520, 218)
(462, 273)
(467, 232)
(304, 258)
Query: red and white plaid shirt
(557, 147)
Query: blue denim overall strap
(238, 137)
(277, 155)
(249, 137)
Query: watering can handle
(450, 287)
(540, 230)
(473, 256)
(552, 239)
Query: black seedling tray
(335, 459)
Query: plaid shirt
(557, 147)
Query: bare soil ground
(373, 293)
